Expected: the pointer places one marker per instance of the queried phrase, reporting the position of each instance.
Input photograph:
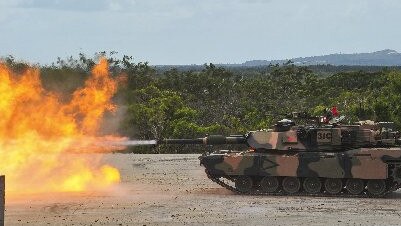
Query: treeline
(215, 100)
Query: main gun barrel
(208, 140)
(181, 141)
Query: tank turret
(312, 137)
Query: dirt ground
(173, 190)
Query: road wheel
(376, 187)
(355, 186)
(312, 185)
(291, 185)
(244, 184)
(333, 185)
(269, 184)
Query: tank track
(218, 180)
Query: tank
(320, 158)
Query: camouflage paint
(328, 167)
(287, 165)
(366, 167)
(357, 163)
(349, 151)
(235, 164)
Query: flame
(41, 137)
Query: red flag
(334, 111)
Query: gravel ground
(173, 190)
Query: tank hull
(361, 171)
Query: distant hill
(385, 57)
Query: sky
(196, 31)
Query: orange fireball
(39, 134)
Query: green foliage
(159, 114)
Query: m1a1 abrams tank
(318, 158)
